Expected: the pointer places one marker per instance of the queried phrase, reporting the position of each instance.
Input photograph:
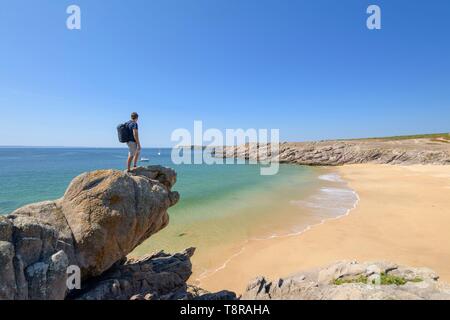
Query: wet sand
(403, 216)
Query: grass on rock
(443, 137)
(385, 279)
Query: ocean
(222, 207)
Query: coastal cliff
(101, 218)
(340, 152)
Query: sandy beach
(403, 216)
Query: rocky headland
(340, 152)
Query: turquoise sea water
(35, 174)
(221, 206)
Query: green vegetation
(434, 136)
(441, 140)
(437, 137)
(385, 279)
(360, 279)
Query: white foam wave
(334, 195)
(334, 177)
(336, 190)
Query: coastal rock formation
(326, 153)
(350, 280)
(157, 276)
(160, 276)
(101, 218)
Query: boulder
(101, 218)
(7, 272)
(159, 276)
(147, 278)
(111, 212)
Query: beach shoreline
(402, 216)
(333, 196)
(308, 197)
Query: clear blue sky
(310, 68)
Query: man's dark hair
(134, 116)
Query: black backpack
(123, 132)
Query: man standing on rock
(134, 145)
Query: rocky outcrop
(101, 218)
(350, 280)
(157, 276)
(326, 153)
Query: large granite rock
(101, 218)
(350, 280)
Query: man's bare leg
(130, 158)
(136, 158)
